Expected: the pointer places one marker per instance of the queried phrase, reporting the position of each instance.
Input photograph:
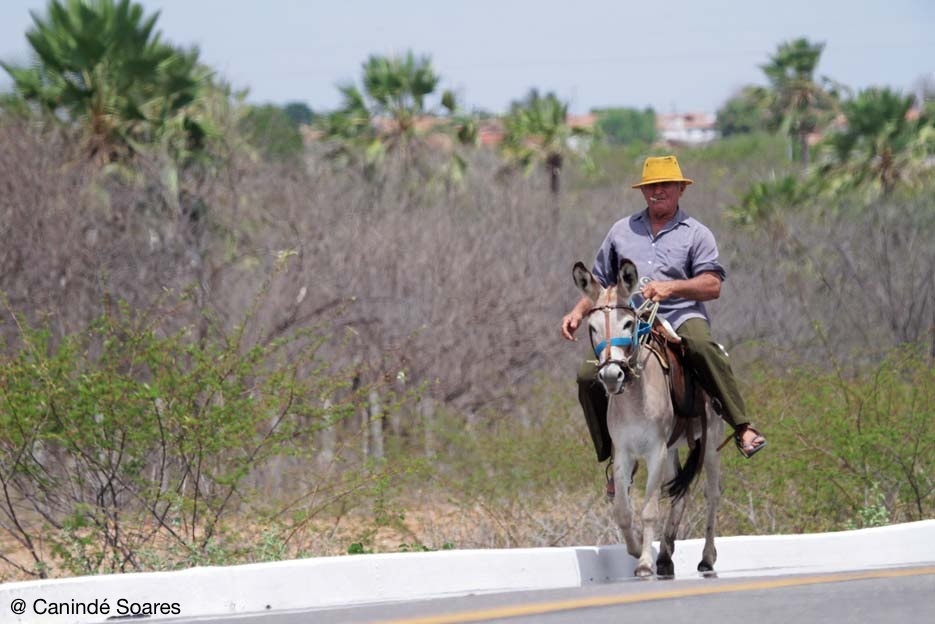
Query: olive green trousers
(708, 363)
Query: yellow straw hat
(661, 169)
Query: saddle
(688, 398)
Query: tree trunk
(395, 416)
(553, 163)
(427, 410)
(887, 172)
(364, 432)
(376, 426)
(328, 437)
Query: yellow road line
(682, 592)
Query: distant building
(587, 122)
(839, 124)
(686, 128)
(490, 132)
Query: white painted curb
(358, 579)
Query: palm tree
(882, 145)
(799, 106)
(101, 63)
(391, 112)
(536, 130)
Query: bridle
(630, 343)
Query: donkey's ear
(586, 282)
(627, 276)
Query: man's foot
(749, 441)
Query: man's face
(662, 198)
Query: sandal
(755, 445)
(747, 450)
(610, 490)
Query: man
(679, 256)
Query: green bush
(846, 449)
(626, 125)
(271, 130)
(132, 436)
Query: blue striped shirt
(681, 250)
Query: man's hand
(572, 320)
(658, 291)
(570, 324)
(703, 287)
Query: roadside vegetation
(239, 333)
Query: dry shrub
(446, 291)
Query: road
(878, 596)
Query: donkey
(641, 421)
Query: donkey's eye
(628, 324)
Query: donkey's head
(612, 324)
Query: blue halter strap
(622, 341)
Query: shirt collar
(680, 217)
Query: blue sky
(671, 55)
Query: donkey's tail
(681, 482)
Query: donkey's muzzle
(613, 377)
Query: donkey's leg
(664, 565)
(712, 494)
(656, 468)
(623, 507)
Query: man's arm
(572, 320)
(703, 287)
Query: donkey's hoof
(665, 569)
(706, 569)
(643, 571)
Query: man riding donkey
(679, 256)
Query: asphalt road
(879, 596)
